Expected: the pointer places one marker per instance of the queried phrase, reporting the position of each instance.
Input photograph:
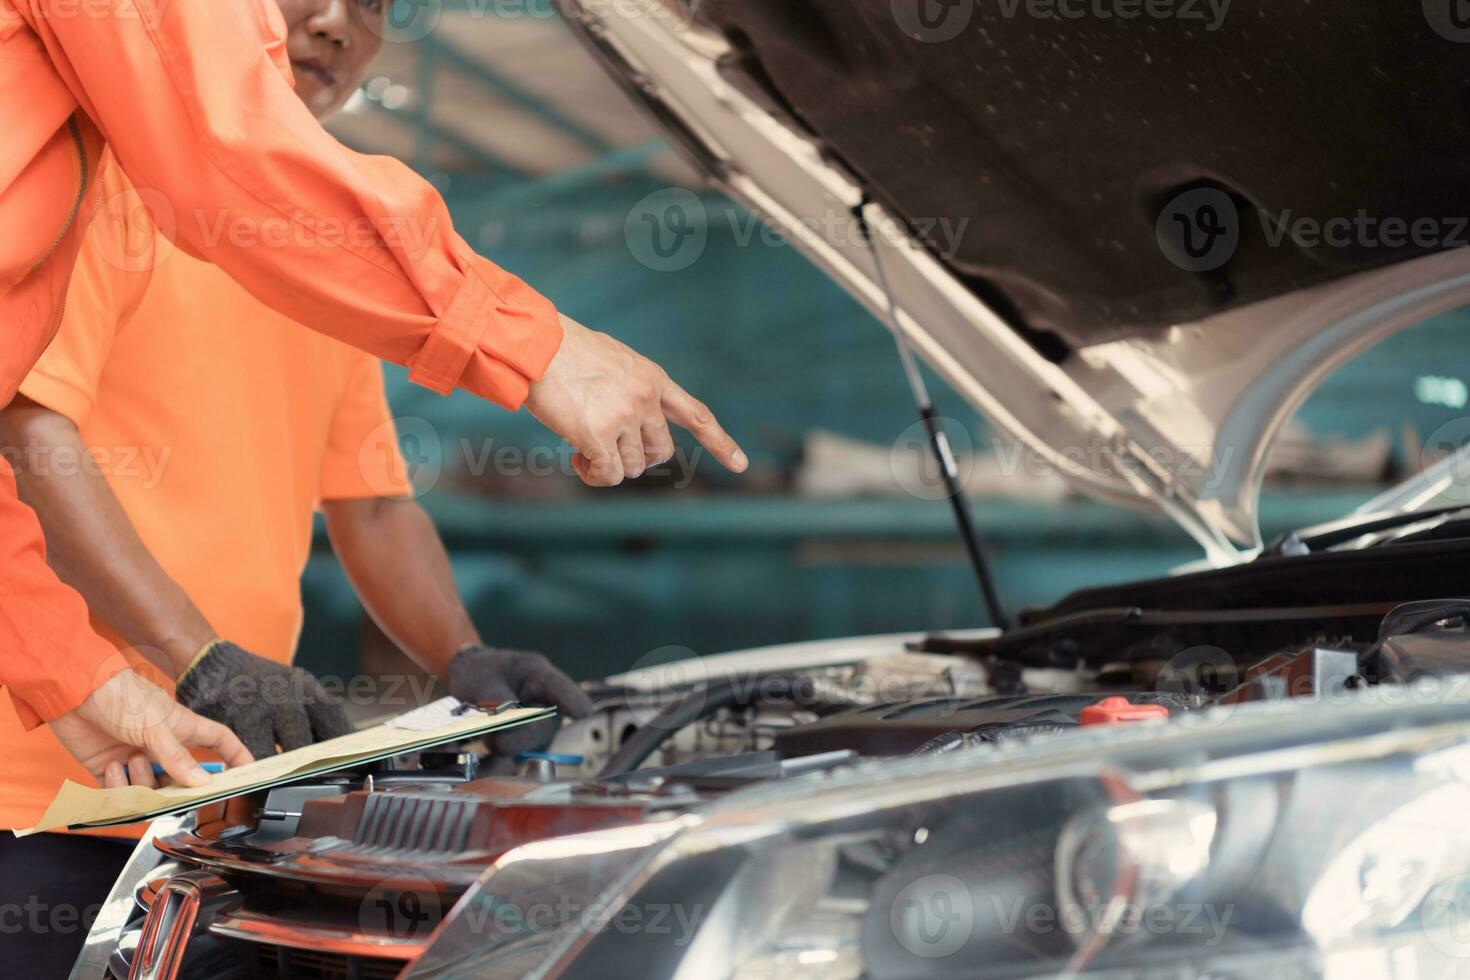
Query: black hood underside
(1052, 146)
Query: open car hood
(1097, 230)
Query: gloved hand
(481, 673)
(262, 701)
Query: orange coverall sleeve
(52, 658)
(192, 97)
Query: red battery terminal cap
(1119, 711)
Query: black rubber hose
(945, 742)
(702, 702)
(1411, 617)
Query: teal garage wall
(601, 578)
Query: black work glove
(480, 673)
(262, 701)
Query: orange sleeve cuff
(492, 341)
(65, 690)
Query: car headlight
(1282, 841)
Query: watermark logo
(1364, 230)
(666, 675)
(1450, 441)
(408, 455)
(668, 230)
(144, 466)
(914, 468)
(1210, 13)
(133, 230)
(483, 914)
(404, 906)
(38, 917)
(401, 454)
(144, 705)
(933, 916)
(148, 14)
(408, 20)
(912, 464)
(672, 15)
(1199, 230)
(1200, 672)
(1450, 19)
(933, 21)
(1445, 917)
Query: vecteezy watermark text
(1211, 13)
(676, 921)
(409, 452)
(144, 464)
(1201, 229)
(935, 915)
(413, 20)
(670, 229)
(937, 21)
(36, 917)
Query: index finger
(223, 742)
(681, 407)
(164, 747)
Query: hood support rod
(938, 441)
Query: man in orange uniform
(193, 97)
(175, 420)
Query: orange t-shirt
(219, 425)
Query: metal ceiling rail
(430, 133)
(609, 164)
(446, 54)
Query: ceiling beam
(616, 162)
(427, 129)
(449, 56)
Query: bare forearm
(398, 566)
(92, 545)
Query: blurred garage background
(835, 530)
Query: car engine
(349, 875)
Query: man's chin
(326, 103)
(313, 93)
(322, 105)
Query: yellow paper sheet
(77, 805)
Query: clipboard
(446, 720)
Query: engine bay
(350, 875)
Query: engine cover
(901, 728)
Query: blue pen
(213, 768)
